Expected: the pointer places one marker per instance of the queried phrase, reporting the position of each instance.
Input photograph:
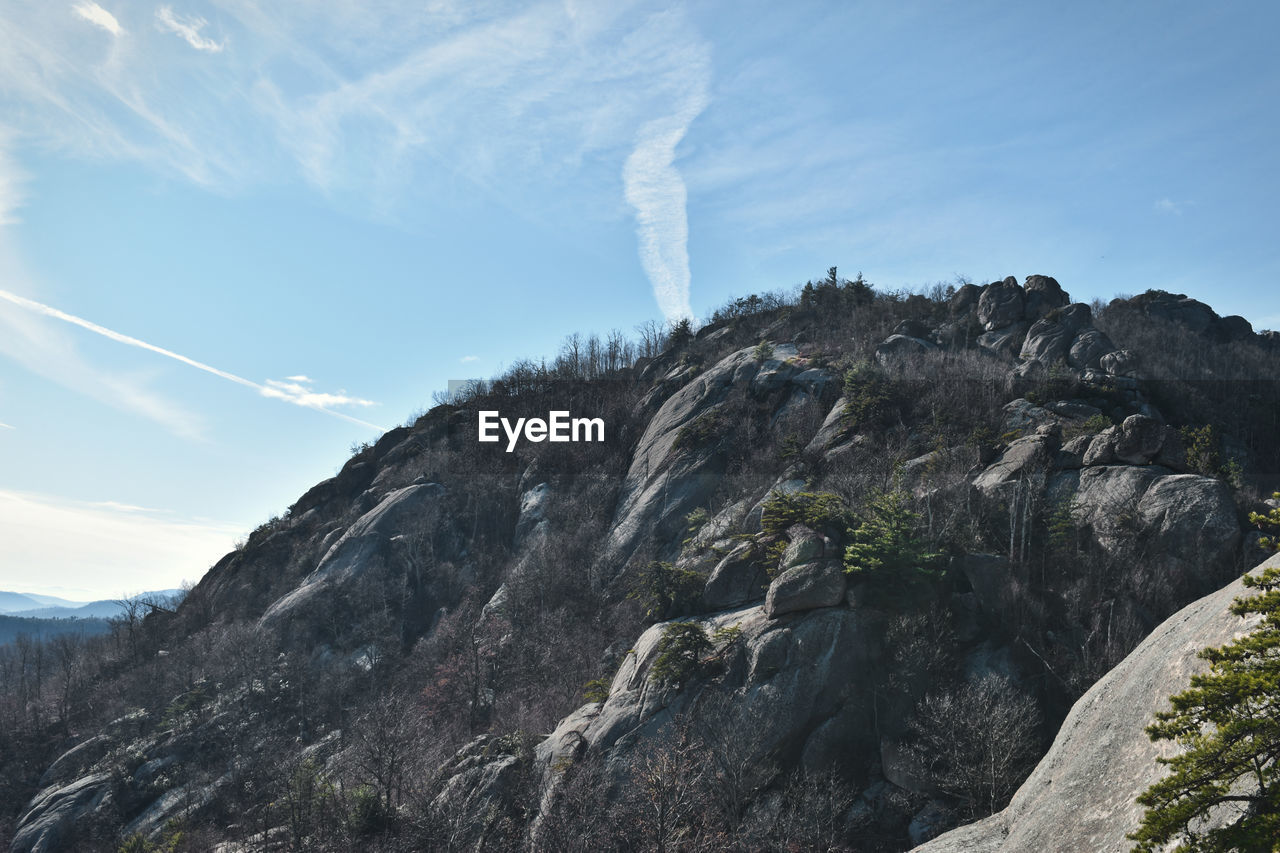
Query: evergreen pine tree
(1228, 725)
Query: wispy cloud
(5, 426)
(34, 343)
(301, 377)
(121, 507)
(187, 28)
(98, 16)
(467, 359)
(277, 390)
(1166, 205)
(657, 192)
(11, 181)
(398, 102)
(105, 549)
(301, 394)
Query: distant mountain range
(32, 606)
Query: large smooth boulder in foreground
(1082, 794)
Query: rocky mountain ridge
(1042, 453)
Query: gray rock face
(1088, 348)
(900, 346)
(662, 484)
(1082, 794)
(1024, 416)
(913, 329)
(1140, 440)
(480, 775)
(736, 580)
(55, 812)
(815, 381)
(1006, 340)
(966, 299)
(1182, 526)
(1071, 456)
(1024, 457)
(1066, 334)
(776, 370)
(172, 803)
(1177, 308)
(1193, 517)
(360, 547)
(1122, 362)
(804, 546)
(78, 758)
(806, 587)
(832, 429)
(785, 683)
(1048, 341)
(1001, 305)
(533, 511)
(1235, 328)
(1102, 447)
(1043, 294)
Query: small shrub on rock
(680, 652)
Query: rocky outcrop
(1004, 341)
(796, 685)
(672, 473)
(53, 816)
(900, 346)
(1082, 794)
(1088, 349)
(365, 544)
(1001, 305)
(1025, 457)
(665, 482)
(737, 579)
(481, 778)
(1043, 294)
(1122, 362)
(1066, 335)
(1179, 531)
(1192, 314)
(805, 587)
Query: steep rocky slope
(1082, 794)
(401, 659)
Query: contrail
(655, 189)
(48, 311)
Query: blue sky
(237, 237)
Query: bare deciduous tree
(977, 741)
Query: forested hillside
(833, 580)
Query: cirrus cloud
(188, 29)
(98, 16)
